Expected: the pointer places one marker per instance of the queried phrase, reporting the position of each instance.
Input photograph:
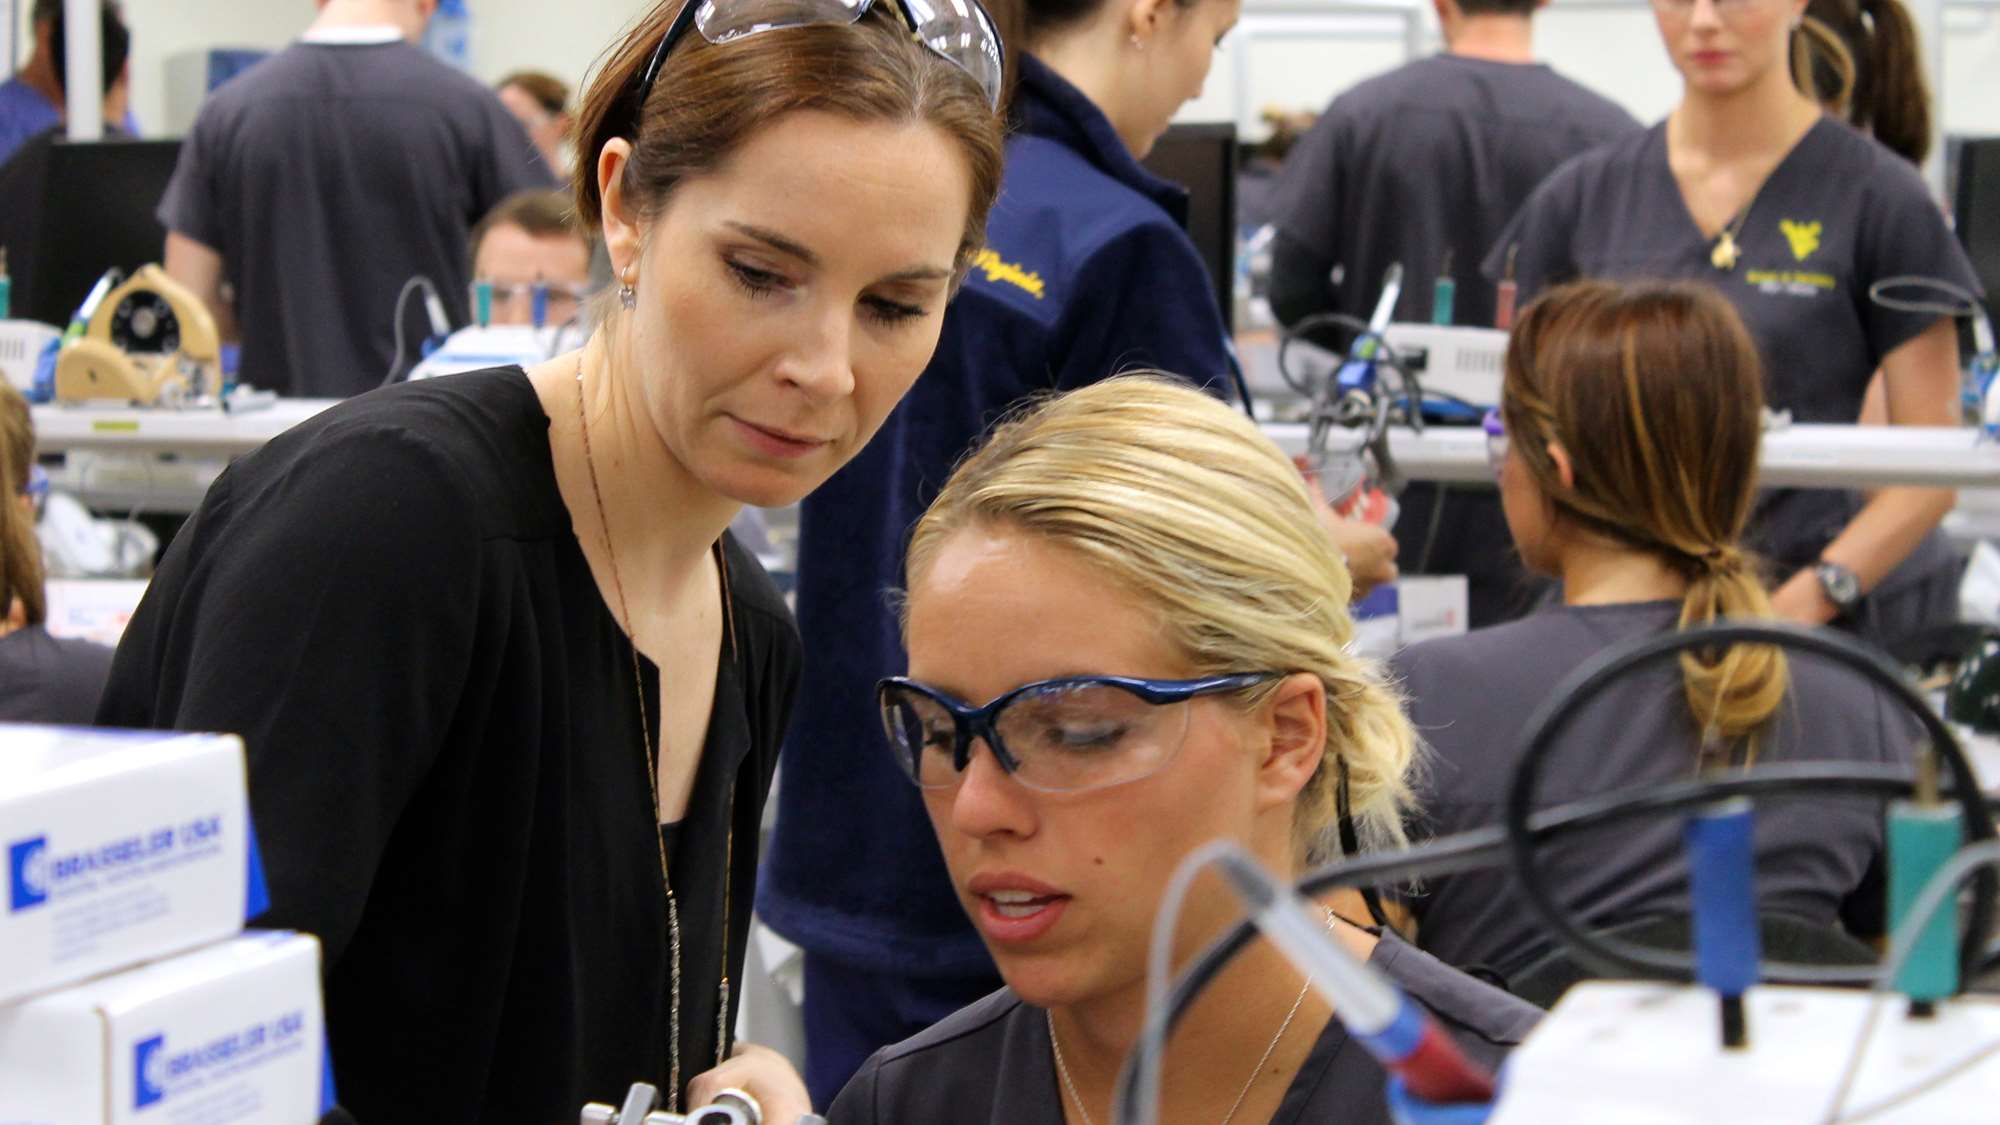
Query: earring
(627, 295)
(1136, 44)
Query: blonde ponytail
(1735, 692)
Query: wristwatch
(1842, 586)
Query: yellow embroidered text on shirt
(1794, 281)
(1804, 237)
(989, 262)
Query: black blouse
(389, 605)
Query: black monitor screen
(1202, 159)
(1976, 208)
(92, 210)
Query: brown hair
(549, 92)
(1656, 393)
(20, 551)
(543, 214)
(1860, 59)
(708, 100)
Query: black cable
(1242, 384)
(1431, 529)
(1298, 332)
(1488, 847)
(1620, 959)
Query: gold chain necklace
(651, 761)
(1062, 1067)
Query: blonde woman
(1126, 635)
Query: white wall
(1612, 48)
(1609, 45)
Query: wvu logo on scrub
(997, 269)
(1804, 237)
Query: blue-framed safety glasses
(1061, 735)
(958, 30)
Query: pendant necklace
(1062, 1067)
(651, 760)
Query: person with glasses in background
(1128, 638)
(531, 241)
(511, 697)
(1750, 186)
(43, 679)
(1625, 449)
(1086, 271)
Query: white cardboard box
(1415, 607)
(227, 1035)
(120, 847)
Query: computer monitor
(1976, 211)
(94, 210)
(1202, 159)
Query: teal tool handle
(1922, 839)
(1444, 295)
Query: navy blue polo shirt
(1087, 272)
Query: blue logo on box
(27, 873)
(149, 1071)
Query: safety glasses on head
(958, 30)
(1062, 735)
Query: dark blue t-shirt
(1087, 272)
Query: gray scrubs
(991, 1062)
(1426, 162)
(1471, 697)
(1838, 214)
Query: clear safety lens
(1064, 736)
(959, 30)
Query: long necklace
(651, 762)
(1062, 1067)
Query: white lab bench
(1795, 456)
(1799, 456)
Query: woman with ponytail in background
(1625, 449)
(1864, 66)
(1752, 187)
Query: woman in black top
(1626, 457)
(511, 698)
(1140, 529)
(1793, 216)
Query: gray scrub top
(1838, 214)
(991, 1061)
(1470, 698)
(1430, 161)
